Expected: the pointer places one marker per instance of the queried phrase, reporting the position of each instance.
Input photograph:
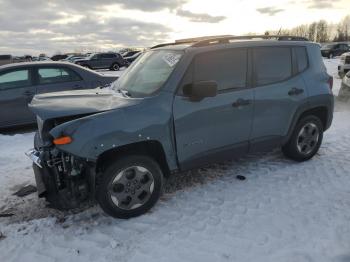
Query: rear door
(279, 91)
(16, 91)
(57, 78)
(219, 127)
(107, 60)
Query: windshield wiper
(125, 93)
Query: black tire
(115, 67)
(105, 185)
(292, 148)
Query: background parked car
(130, 53)
(112, 61)
(6, 59)
(133, 57)
(332, 50)
(19, 59)
(19, 82)
(344, 92)
(58, 57)
(344, 65)
(75, 58)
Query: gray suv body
(112, 61)
(179, 107)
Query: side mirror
(201, 89)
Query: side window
(228, 68)
(301, 58)
(96, 57)
(107, 56)
(272, 65)
(15, 79)
(56, 75)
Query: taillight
(330, 82)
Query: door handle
(295, 91)
(241, 102)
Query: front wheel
(130, 187)
(305, 140)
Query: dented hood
(78, 102)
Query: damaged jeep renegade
(179, 106)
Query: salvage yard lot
(283, 211)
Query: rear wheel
(130, 187)
(305, 140)
(115, 67)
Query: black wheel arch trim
(325, 101)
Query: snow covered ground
(284, 211)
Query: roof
(24, 64)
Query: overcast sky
(35, 26)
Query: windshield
(149, 73)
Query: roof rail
(226, 40)
(190, 40)
(204, 41)
(171, 44)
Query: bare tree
(312, 31)
(321, 32)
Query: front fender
(96, 134)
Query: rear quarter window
(301, 57)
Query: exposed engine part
(66, 179)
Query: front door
(107, 60)
(16, 91)
(219, 127)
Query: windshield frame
(115, 86)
